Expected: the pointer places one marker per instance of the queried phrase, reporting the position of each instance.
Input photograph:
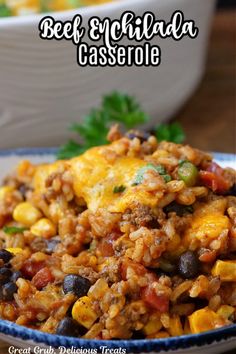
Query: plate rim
(132, 346)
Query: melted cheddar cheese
(95, 177)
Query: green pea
(188, 173)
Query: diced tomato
(105, 246)
(158, 302)
(216, 183)
(42, 278)
(30, 268)
(139, 269)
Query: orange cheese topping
(95, 176)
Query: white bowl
(42, 88)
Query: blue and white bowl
(213, 342)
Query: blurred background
(42, 89)
(226, 3)
(213, 107)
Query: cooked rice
(128, 245)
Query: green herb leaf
(12, 230)
(182, 161)
(124, 109)
(94, 128)
(170, 132)
(119, 189)
(5, 11)
(70, 149)
(167, 178)
(140, 174)
(115, 108)
(160, 169)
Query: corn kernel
(44, 228)
(102, 265)
(15, 250)
(175, 328)
(4, 191)
(83, 312)
(174, 243)
(25, 169)
(226, 270)
(205, 320)
(26, 214)
(225, 311)
(210, 226)
(153, 326)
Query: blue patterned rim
(29, 151)
(131, 346)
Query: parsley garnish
(119, 189)
(5, 11)
(167, 178)
(170, 132)
(160, 169)
(115, 108)
(12, 230)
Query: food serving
(134, 239)
(26, 7)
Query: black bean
(76, 284)
(8, 265)
(138, 335)
(51, 244)
(5, 275)
(199, 303)
(15, 275)
(5, 255)
(179, 209)
(69, 327)
(7, 291)
(233, 190)
(23, 189)
(188, 265)
(228, 255)
(142, 136)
